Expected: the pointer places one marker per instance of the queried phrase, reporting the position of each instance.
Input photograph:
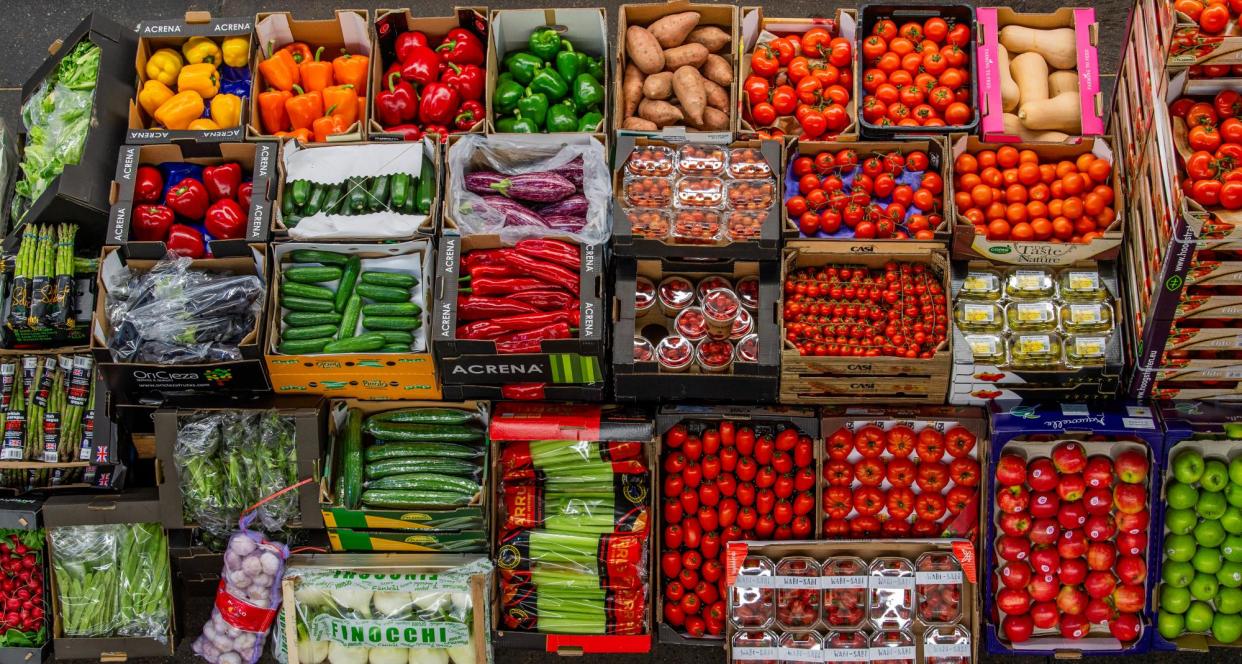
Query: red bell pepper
(148, 185)
(468, 80)
(188, 198)
(420, 66)
(226, 220)
(396, 104)
(471, 113)
(151, 222)
(409, 132)
(438, 105)
(244, 193)
(186, 241)
(407, 41)
(223, 180)
(461, 47)
(439, 130)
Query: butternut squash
(1014, 127)
(1058, 46)
(1011, 94)
(1060, 113)
(1031, 73)
(1062, 81)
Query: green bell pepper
(506, 125)
(506, 76)
(523, 125)
(545, 43)
(523, 66)
(590, 121)
(506, 96)
(570, 63)
(587, 91)
(562, 118)
(550, 83)
(534, 107)
(595, 67)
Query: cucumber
(362, 343)
(382, 293)
(303, 346)
(421, 433)
(382, 450)
(407, 499)
(394, 279)
(349, 484)
(349, 320)
(317, 256)
(391, 309)
(309, 318)
(295, 289)
(396, 337)
(346, 287)
(387, 467)
(312, 275)
(390, 323)
(426, 416)
(305, 304)
(395, 348)
(426, 482)
(310, 332)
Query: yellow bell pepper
(177, 113)
(201, 78)
(226, 110)
(153, 95)
(236, 51)
(203, 124)
(201, 49)
(164, 65)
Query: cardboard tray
(24, 514)
(348, 539)
(989, 395)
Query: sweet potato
(671, 30)
(639, 124)
(688, 86)
(644, 50)
(710, 36)
(658, 86)
(718, 70)
(632, 88)
(717, 97)
(693, 55)
(714, 120)
(661, 113)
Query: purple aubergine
(575, 205)
(564, 222)
(480, 182)
(541, 187)
(572, 172)
(514, 212)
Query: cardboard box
(258, 162)
(25, 514)
(349, 29)
(196, 568)
(1033, 431)
(137, 506)
(156, 382)
(524, 422)
(476, 362)
(747, 382)
(348, 539)
(758, 29)
(389, 23)
(586, 28)
(1189, 46)
(765, 245)
(1216, 222)
(984, 394)
(724, 17)
(990, 20)
(173, 33)
(308, 420)
(969, 245)
(79, 194)
(372, 375)
(845, 380)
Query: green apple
(1181, 496)
(1199, 617)
(1226, 628)
(1231, 520)
(1211, 505)
(1233, 494)
(1207, 560)
(1174, 599)
(1170, 625)
(1179, 548)
(1215, 475)
(1188, 466)
(1209, 533)
(1230, 575)
(1229, 600)
(1177, 573)
(1232, 548)
(1204, 587)
(1235, 471)
(1180, 521)
(1234, 430)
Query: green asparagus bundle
(44, 269)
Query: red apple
(1071, 487)
(1073, 571)
(1046, 561)
(1133, 544)
(1045, 504)
(1128, 598)
(1074, 627)
(1011, 470)
(1044, 588)
(1099, 611)
(1099, 527)
(1132, 467)
(1013, 602)
(1013, 499)
(1125, 627)
(1011, 548)
(1069, 457)
(1072, 514)
(1131, 522)
(1072, 544)
(1130, 498)
(1098, 501)
(1131, 570)
(1100, 584)
(1041, 475)
(1044, 531)
(1045, 615)
(1015, 524)
(1098, 472)
(1072, 601)
(1017, 628)
(1101, 556)
(1016, 575)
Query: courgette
(382, 293)
(391, 309)
(421, 433)
(332, 200)
(295, 289)
(357, 194)
(378, 193)
(363, 343)
(394, 279)
(303, 346)
(391, 323)
(309, 318)
(426, 191)
(349, 485)
(426, 482)
(405, 499)
(382, 450)
(309, 332)
(317, 256)
(426, 416)
(305, 304)
(315, 203)
(312, 275)
(388, 467)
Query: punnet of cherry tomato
(916, 73)
(800, 84)
(1213, 171)
(845, 193)
(1212, 16)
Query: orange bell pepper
(316, 73)
(342, 101)
(304, 108)
(303, 135)
(328, 125)
(278, 69)
(272, 113)
(299, 51)
(351, 70)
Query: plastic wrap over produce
(521, 187)
(346, 616)
(247, 601)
